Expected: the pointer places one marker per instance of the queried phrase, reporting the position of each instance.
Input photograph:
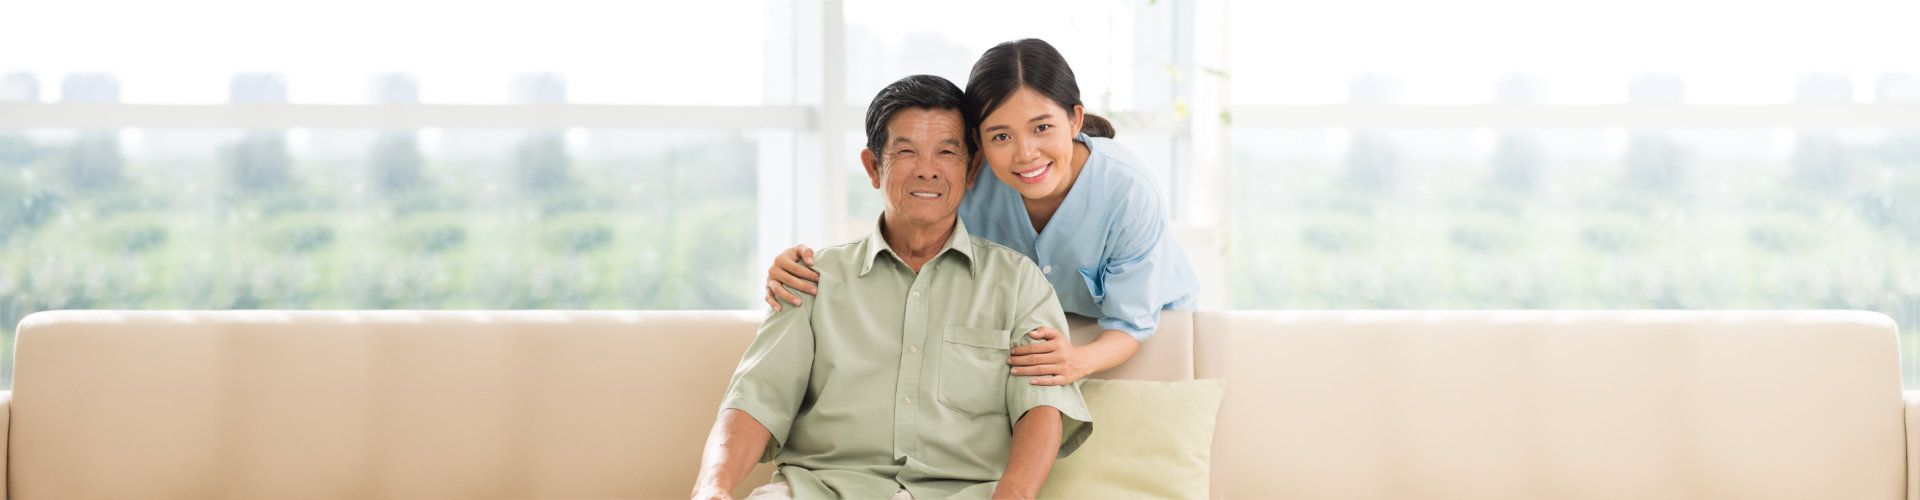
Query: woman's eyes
(1003, 136)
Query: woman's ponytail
(1096, 126)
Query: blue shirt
(1107, 250)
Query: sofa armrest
(1913, 443)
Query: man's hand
(1003, 494)
(711, 494)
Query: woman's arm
(1142, 271)
(1064, 363)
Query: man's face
(921, 170)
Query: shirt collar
(960, 242)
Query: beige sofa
(1333, 405)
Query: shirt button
(909, 399)
(916, 294)
(1046, 270)
(913, 348)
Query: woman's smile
(1036, 174)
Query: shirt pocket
(973, 371)
(1096, 284)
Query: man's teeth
(927, 195)
(1035, 173)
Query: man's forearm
(1036, 440)
(734, 445)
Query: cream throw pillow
(1150, 440)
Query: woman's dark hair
(1030, 63)
(917, 91)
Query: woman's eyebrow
(1035, 119)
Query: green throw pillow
(1150, 440)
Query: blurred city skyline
(717, 53)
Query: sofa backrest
(1167, 356)
(368, 404)
(1339, 404)
(1546, 404)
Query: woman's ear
(1079, 117)
(872, 163)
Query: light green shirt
(888, 379)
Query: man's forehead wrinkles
(937, 138)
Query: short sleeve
(1038, 307)
(772, 376)
(1136, 275)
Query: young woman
(1083, 208)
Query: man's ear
(867, 159)
(973, 169)
(1079, 117)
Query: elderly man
(893, 382)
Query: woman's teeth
(1036, 172)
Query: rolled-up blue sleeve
(1144, 270)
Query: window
(1537, 159)
(606, 155)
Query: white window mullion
(777, 211)
(833, 123)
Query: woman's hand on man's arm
(787, 270)
(1055, 361)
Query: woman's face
(1028, 143)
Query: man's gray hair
(917, 91)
